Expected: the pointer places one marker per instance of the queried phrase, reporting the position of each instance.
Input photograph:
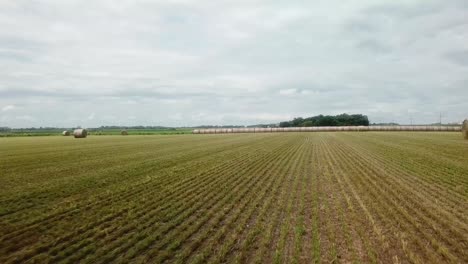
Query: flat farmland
(373, 197)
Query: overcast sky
(177, 63)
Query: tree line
(328, 120)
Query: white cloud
(25, 118)
(8, 108)
(288, 91)
(219, 62)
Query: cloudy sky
(177, 63)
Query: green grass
(95, 132)
(263, 198)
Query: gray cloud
(459, 57)
(223, 62)
(373, 46)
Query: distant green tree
(308, 123)
(285, 124)
(321, 120)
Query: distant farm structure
(329, 129)
(80, 133)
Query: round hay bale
(465, 128)
(80, 133)
(124, 133)
(65, 133)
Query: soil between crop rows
(373, 197)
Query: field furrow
(326, 197)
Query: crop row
(266, 198)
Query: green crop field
(344, 197)
(28, 132)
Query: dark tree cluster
(328, 120)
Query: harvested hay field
(259, 198)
